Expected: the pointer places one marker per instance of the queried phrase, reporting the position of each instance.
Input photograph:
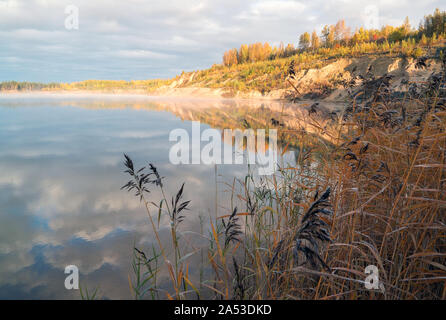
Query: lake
(61, 169)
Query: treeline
(257, 52)
(115, 85)
(26, 86)
(430, 31)
(98, 85)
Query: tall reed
(375, 197)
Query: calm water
(61, 169)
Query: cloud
(138, 39)
(141, 54)
(276, 9)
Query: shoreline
(190, 93)
(138, 95)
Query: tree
(325, 33)
(230, 57)
(267, 51)
(281, 49)
(328, 35)
(331, 37)
(304, 41)
(315, 42)
(435, 23)
(406, 26)
(243, 54)
(289, 50)
(253, 52)
(341, 31)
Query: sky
(147, 39)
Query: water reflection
(60, 174)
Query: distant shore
(330, 83)
(188, 93)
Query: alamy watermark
(72, 20)
(188, 149)
(72, 280)
(372, 280)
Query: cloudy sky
(142, 39)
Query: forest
(430, 31)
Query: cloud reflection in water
(60, 202)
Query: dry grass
(377, 198)
(389, 200)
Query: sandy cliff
(326, 83)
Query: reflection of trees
(294, 123)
